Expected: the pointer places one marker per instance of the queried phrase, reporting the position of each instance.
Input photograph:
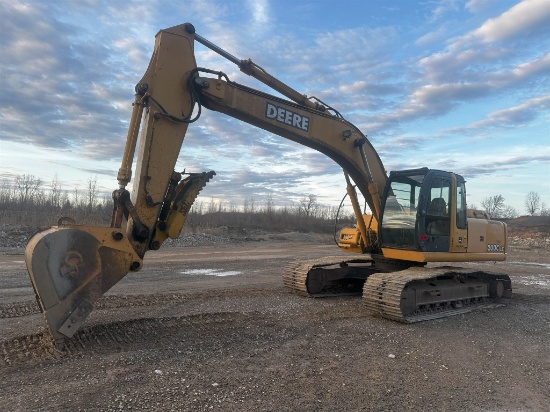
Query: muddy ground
(210, 327)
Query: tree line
(497, 209)
(26, 201)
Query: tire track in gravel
(18, 309)
(139, 333)
(534, 299)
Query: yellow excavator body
(415, 217)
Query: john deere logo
(285, 116)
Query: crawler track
(295, 274)
(418, 294)
(328, 276)
(410, 295)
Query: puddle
(210, 272)
(540, 280)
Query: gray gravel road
(212, 328)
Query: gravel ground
(210, 327)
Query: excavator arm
(163, 112)
(167, 110)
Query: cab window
(437, 213)
(400, 207)
(461, 218)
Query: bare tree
(544, 211)
(65, 202)
(5, 193)
(309, 205)
(251, 203)
(508, 212)
(76, 197)
(55, 192)
(532, 202)
(212, 206)
(269, 204)
(92, 192)
(27, 187)
(198, 208)
(493, 205)
(233, 207)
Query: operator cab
(424, 210)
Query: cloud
(476, 6)
(511, 162)
(443, 7)
(392, 147)
(260, 12)
(526, 16)
(431, 37)
(512, 117)
(524, 27)
(437, 99)
(286, 186)
(538, 66)
(56, 78)
(470, 68)
(69, 69)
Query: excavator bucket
(71, 267)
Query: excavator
(416, 216)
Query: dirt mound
(14, 236)
(529, 231)
(535, 224)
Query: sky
(462, 86)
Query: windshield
(399, 215)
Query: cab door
(459, 222)
(434, 216)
